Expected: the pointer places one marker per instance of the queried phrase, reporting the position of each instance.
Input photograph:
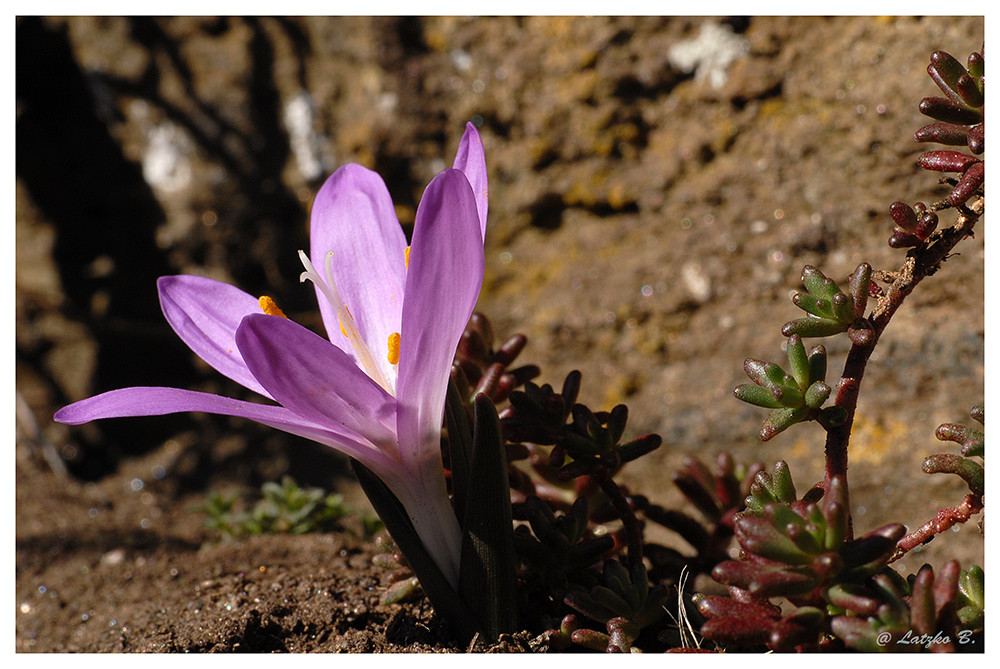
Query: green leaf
(798, 361)
(459, 443)
(814, 326)
(780, 420)
(756, 395)
(817, 393)
(487, 577)
(816, 306)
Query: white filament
(347, 324)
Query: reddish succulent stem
(633, 531)
(943, 521)
(920, 262)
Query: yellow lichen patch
(872, 440)
(270, 307)
(394, 348)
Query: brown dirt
(646, 227)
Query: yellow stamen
(342, 330)
(394, 348)
(407, 254)
(270, 307)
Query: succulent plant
(829, 311)
(914, 225)
(961, 122)
(283, 508)
(926, 612)
(623, 601)
(718, 496)
(794, 396)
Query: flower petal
(315, 379)
(205, 314)
(159, 401)
(443, 284)
(353, 216)
(472, 161)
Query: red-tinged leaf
(714, 606)
(740, 631)
(803, 626)
(863, 335)
(872, 551)
(976, 64)
(926, 224)
(901, 239)
(943, 133)
(861, 278)
(946, 587)
(968, 470)
(946, 161)
(922, 602)
(977, 139)
(590, 639)
(699, 471)
(759, 537)
(950, 111)
(779, 420)
(639, 447)
(903, 215)
(945, 70)
(969, 91)
(855, 598)
(969, 184)
(971, 439)
(690, 529)
(697, 494)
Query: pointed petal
(471, 159)
(353, 216)
(159, 401)
(445, 277)
(205, 314)
(315, 379)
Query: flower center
(348, 326)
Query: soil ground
(656, 186)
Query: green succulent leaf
(968, 470)
(780, 420)
(756, 395)
(816, 395)
(798, 361)
(814, 326)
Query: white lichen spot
(710, 54)
(306, 144)
(696, 281)
(165, 163)
(387, 102)
(461, 60)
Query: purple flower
(375, 389)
